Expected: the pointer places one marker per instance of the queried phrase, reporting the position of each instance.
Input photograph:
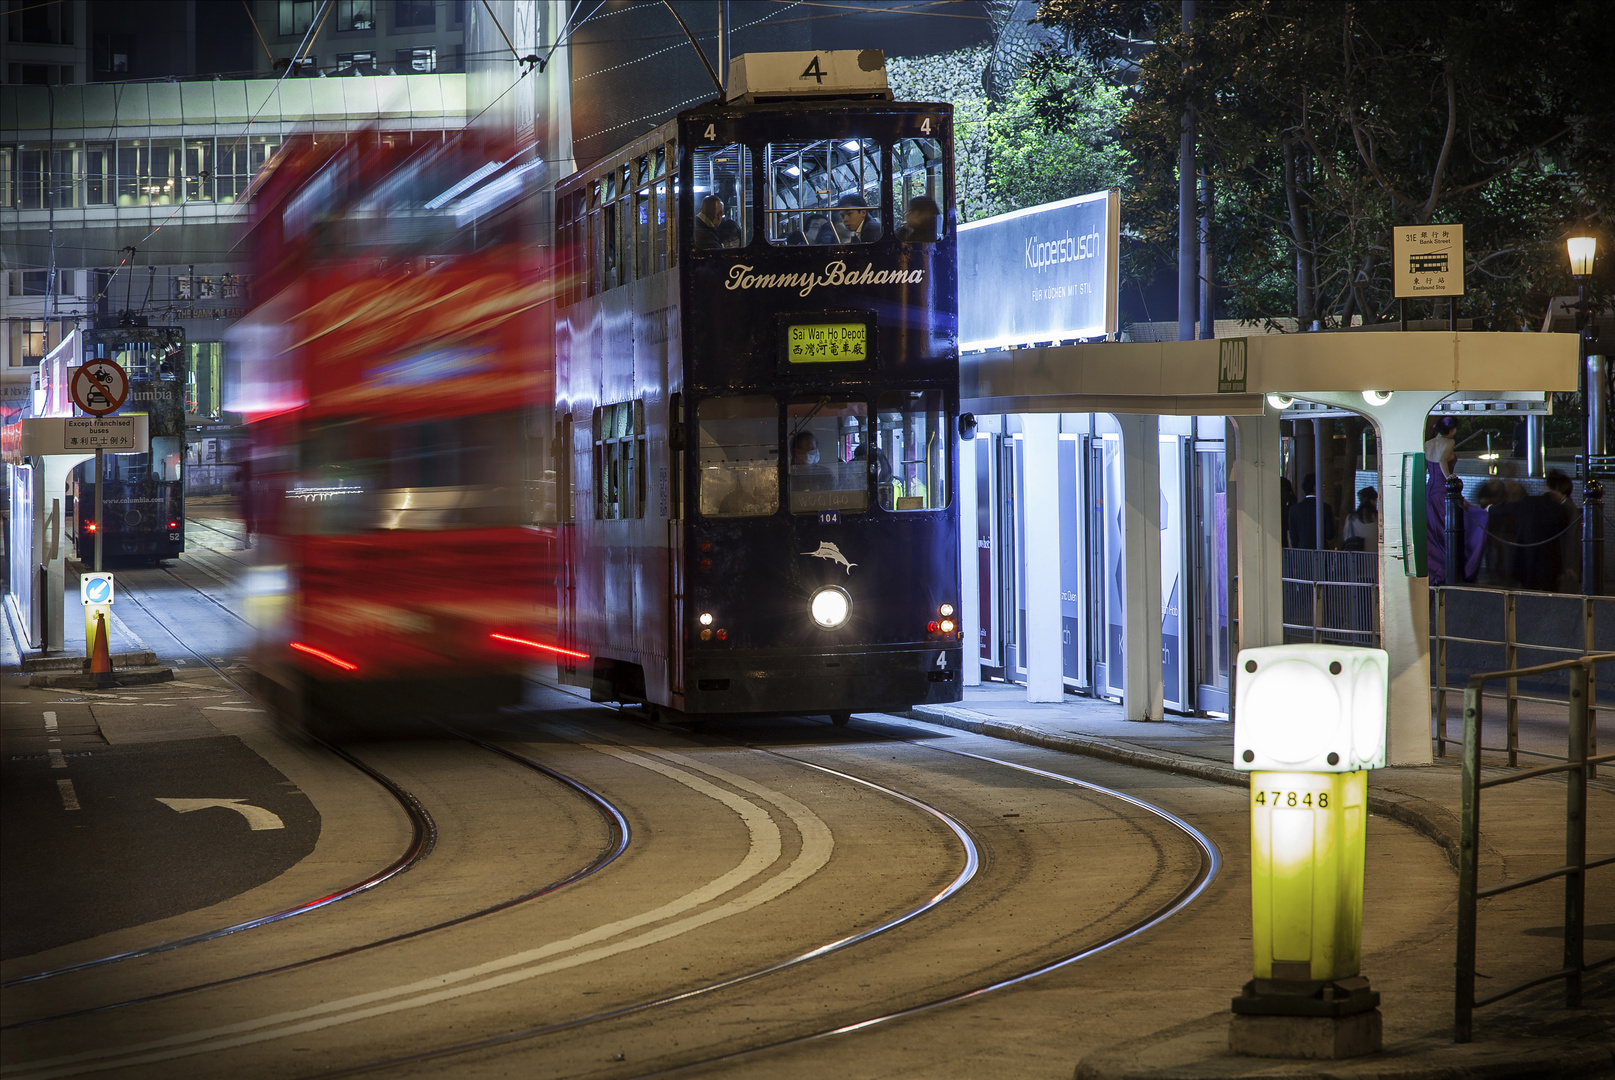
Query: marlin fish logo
(829, 551)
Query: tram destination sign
(1044, 274)
(827, 343)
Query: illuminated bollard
(1309, 724)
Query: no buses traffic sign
(99, 387)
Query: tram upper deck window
(823, 192)
(828, 440)
(739, 456)
(911, 450)
(722, 189)
(917, 188)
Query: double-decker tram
(390, 374)
(142, 494)
(757, 383)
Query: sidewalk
(1522, 832)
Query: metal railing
(1574, 871)
(1590, 608)
(1331, 596)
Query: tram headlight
(706, 618)
(946, 610)
(830, 607)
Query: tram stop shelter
(1392, 379)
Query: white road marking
(56, 759)
(257, 817)
(196, 565)
(50, 721)
(229, 708)
(70, 799)
(765, 849)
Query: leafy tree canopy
(1326, 123)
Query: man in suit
(1303, 516)
(857, 225)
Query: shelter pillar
(1404, 602)
(50, 543)
(1258, 513)
(1141, 564)
(969, 563)
(1045, 674)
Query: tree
(1326, 123)
(1055, 136)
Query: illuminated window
(619, 461)
(355, 15)
(362, 61)
(911, 450)
(738, 444)
(722, 197)
(295, 16)
(823, 192)
(422, 61)
(917, 195)
(828, 442)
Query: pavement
(1529, 1036)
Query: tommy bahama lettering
(836, 273)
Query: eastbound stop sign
(99, 387)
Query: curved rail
(971, 866)
(616, 844)
(422, 839)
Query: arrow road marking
(257, 817)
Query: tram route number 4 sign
(1427, 260)
(99, 387)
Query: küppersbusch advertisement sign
(1046, 273)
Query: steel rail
(422, 839)
(617, 843)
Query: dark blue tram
(757, 391)
(143, 495)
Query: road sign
(1427, 260)
(126, 434)
(99, 387)
(95, 588)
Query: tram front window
(828, 440)
(823, 192)
(739, 456)
(911, 450)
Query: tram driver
(806, 472)
(713, 229)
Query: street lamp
(1590, 376)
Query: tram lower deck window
(738, 456)
(827, 439)
(911, 450)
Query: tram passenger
(713, 229)
(920, 223)
(806, 472)
(814, 230)
(858, 225)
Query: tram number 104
(1283, 800)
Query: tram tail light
(89, 526)
(932, 627)
(173, 524)
(321, 654)
(556, 649)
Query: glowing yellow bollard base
(1308, 832)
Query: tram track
(1210, 864)
(423, 840)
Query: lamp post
(1582, 251)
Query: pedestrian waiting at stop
(1303, 517)
(713, 229)
(1361, 529)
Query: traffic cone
(101, 655)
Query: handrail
(1577, 765)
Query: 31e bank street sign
(1427, 260)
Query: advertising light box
(1044, 274)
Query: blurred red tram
(396, 373)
